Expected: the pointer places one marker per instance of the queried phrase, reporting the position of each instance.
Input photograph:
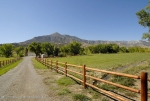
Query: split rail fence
(9, 61)
(64, 68)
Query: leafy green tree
(144, 20)
(35, 47)
(19, 50)
(25, 51)
(115, 48)
(91, 48)
(87, 51)
(0, 51)
(123, 50)
(56, 51)
(7, 50)
(74, 48)
(65, 49)
(81, 51)
(47, 48)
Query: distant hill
(58, 38)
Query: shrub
(61, 55)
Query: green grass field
(105, 61)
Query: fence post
(84, 76)
(42, 61)
(57, 66)
(66, 68)
(3, 63)
(144, 87)
(51, 64)
(46, 62)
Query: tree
(75, 48)
(65, 50)
(47, 48)
(56, 51)
(35, 47)
(144, 20)
(7, 50)
(19, 50)
(25, 51)
(123, 50)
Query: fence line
(9, 61)
(64, 68)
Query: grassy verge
(105, 61)
(65, 81)
(6, 68)
(65, 87)
(37, 64)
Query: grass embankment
(6, 68)
(37, 64)
(105, 61)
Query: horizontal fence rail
(9, 61)
(70, 70)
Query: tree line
(72, 49)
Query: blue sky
(113, 20)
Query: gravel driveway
(23, 84)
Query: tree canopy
(35, 47)
(47, 48)
(144, 20)
(7, 50)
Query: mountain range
(58, 38)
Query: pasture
(105, 61)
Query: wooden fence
(64, 68)
(7, 62)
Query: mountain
(58, 38)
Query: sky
(111, 20)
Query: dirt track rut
(23, 84)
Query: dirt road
(23, 84)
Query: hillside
(58, 38)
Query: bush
(21, 55)
(61, 55)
